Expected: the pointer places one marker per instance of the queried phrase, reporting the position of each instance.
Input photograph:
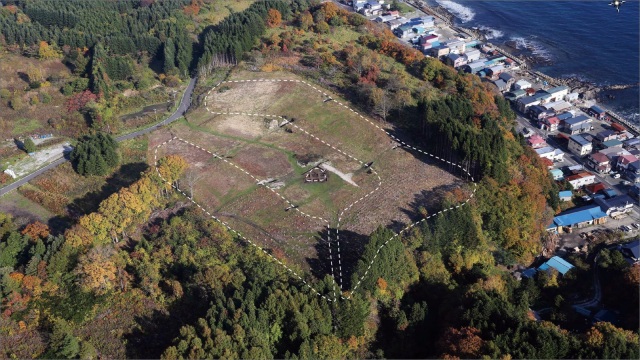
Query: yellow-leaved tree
(96, 270)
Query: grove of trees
(95, 155)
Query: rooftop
(612, 143)
(566, 193)
(620, 201)
(580, 140)
(578, 119)
(634, 248)
(557, 263)
(579, 215)
(597, 109)
(599, 158)
(557, 89)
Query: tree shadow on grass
(344, 258)
(431, 200)
(126, 175)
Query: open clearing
(248, 168)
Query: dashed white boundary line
(155, 161)
(402, 143)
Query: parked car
(636, 225)
(615, 176)
(626, 182)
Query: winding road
(185, 102)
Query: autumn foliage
(80, 100)
(36, 230)
(274, 18)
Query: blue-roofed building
(565, 195)
(612, 143)
(581, 217)
(609, 193)
(632, 250)
(564, 116)
(578, 124)
(557, 174)
(558, 263)
(597, 112)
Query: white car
(615, 176)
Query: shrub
(29, 146)
(16, 103)
(45, 98)
(5, 94)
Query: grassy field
(62, 193)
(254, 148)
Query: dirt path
(343, 176)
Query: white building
(550, 153)
(558, 92)
(571, 97)
(522, 84)
(579, 145)
(472, 55)
(581, 179)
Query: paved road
(185, 102)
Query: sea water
(585, 39)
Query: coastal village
(592, 153)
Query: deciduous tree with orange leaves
(274, 18)
(36, 230)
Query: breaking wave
(490, 33)
(536, 49)
(462, 12)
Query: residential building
(599, 162)
(594, 188)
(438, 51)
(557, 263)
(522, 84)
(558, 93)
(572, 97)
(633, 172)
(507, 78)
(631, 143)
(597, 112)
(395, 23)
(543, 96)
(456, 46)
(565, 195)
(474, 67)
(581, 179)
(525, 102)
(550, 123)
(515, 95)
(623, 161)
(472, 55)
(494, 71)
(550, 153)
(615, 143)
(557, 174)
(579, 145)
(501, 85)
(577, 218)
(384, 18)
(404, 30)
(538, 112)
(536, 141)
(615, 206)
(632, 251)
(565, 116)
(558, 106)
(455, 60)
(578, 124)
(606, 135)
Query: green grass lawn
(24, 126)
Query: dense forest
(148, 276)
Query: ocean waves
(533, 46)
(462, 12)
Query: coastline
(589, 90)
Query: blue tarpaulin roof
(579, 215)
(557, 263)
(566, 193)
(597, 109)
